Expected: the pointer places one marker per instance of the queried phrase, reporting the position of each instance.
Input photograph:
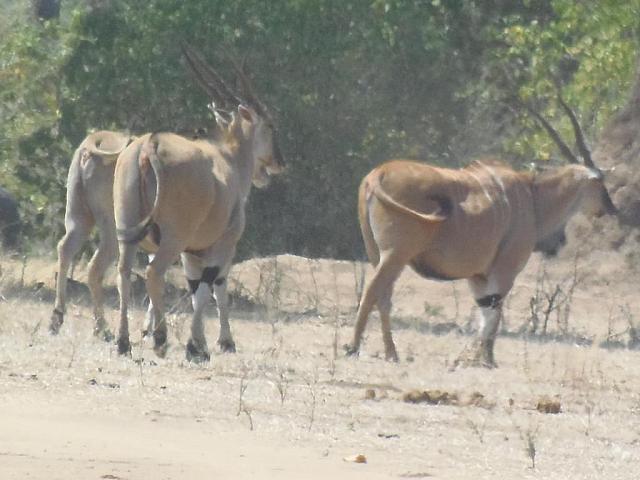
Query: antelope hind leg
(68, 247)
(379, 288)
(103, 258)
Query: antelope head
(240, 109)
(596, 196)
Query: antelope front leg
(481, 352)
(197, 348)
(218, 260)
(200, 280)
(491, 309)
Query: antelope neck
(556, 196)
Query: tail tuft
(136, 233)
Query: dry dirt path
(289, 405)
(53, 437)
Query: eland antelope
(479, 223)
(187, 197)
(89, 204)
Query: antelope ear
(245, 113)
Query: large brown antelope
(479, 223)
(89, 204)
(187, 197)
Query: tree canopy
(353, 83)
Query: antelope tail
(370, 246)
(148, 157)
(110, 155)
(430, 218)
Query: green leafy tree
(586, 50)
(352, 84)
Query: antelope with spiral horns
(183, 197)
(479, 223)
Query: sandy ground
(289, 405)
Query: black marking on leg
(209, 275)
(193, 285)
(219, 281)
(490, 301)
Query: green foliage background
(353, 83)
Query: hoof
(391, 356)
(350, 350)
(227, 346)
(161, 350)
(101, 330)
(124, 346)
(473, 363)
(106, 335)
(160, 344)
(196, 355)
(159, 338)
(478, 357)
(57, 319)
